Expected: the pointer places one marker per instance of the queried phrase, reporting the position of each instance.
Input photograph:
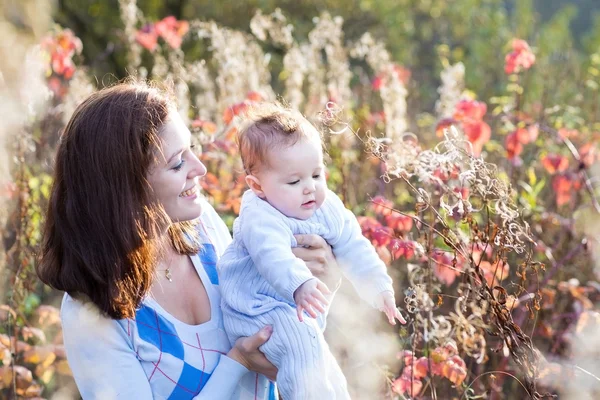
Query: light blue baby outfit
(259, 274)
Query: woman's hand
(246, 352)
(317, 254)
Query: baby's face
(294, 183)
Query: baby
(263, 283)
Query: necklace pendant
(168, 275)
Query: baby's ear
(254, 184)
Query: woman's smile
(191, 192)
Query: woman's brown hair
(102, 229)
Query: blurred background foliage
(423, 36)
(419, 34)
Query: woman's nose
(198, 169)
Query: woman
(134, 245)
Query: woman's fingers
(311, 240)
(305, 254)
(246, 352)
(252, 343)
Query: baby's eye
(293, 183)
(317, 176)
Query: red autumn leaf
(206, 126)
(455, 370)
(470, 110)
(478, 133)
(402, 248)
(527, 135)
(521, 58)
(420, 368)
(513, 147)
(70, 43)
(210, 182)
(60, 49)
(462, 192)
(172, 30)
(554, 163)
(377, 83)
(381, 205)
(367, 224)
(404, 384)
(444, 124)
(443, 269)
(381, 236)
(62, 64)
(399, 222)
(563, 188)
(439, 355)
(254, 96)
(234, 110)
(378, 234)
(147, 37)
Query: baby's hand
(310, 296)
(388, 306)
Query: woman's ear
(254, 184)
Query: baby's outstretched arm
(310, 296)
(388, 306)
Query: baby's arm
(361, 264)
(269, 242)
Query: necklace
(167, 271)
(168, 274)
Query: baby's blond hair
(270, 126)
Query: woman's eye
(293, 183)
(179, 166)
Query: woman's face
(174, 177)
